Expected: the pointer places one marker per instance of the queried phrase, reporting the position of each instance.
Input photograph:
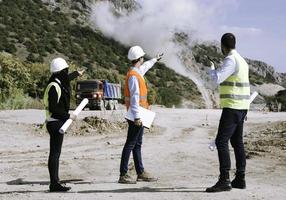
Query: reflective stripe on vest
(46, 98)
(235, 90)
(142, 89)
(234, 96)
(234, 84)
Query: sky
(259, 26)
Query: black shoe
(238, 182)
(57, 187)
(220, 186)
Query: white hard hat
(135, 52)
(58, 64)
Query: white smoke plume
(154, 24)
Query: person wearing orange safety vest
(234, 87)
(135, 93)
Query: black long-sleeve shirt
(60, 110)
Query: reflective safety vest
(235, 90)
(46, 99)
(142, 90)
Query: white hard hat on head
(135, 52)
(58, 64)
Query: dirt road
(177, 153)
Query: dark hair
(135, 61)
(228, 40)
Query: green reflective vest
(46, 98)
(235, 90)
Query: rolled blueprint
(212, 145)
(253, 96)
(80, 107)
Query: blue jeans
(231, 128)
(133, 143)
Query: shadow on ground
(148, 189)
(20, 181)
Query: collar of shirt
(233, 51)
(137, 70)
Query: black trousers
(231, 128)
(56, 141)
(133, 144)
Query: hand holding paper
(146, 116)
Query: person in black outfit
(57, 103)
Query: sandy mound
(96, 126)
(268, 89)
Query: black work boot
(223, 184)
(239, 181)
(57, 187)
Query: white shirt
(133, 85)
(227, 69)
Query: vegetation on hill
(277, 102)
(32, 32)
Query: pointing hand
(159, 56)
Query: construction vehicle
(101, 94)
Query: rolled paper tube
(80, 107)
(253, 96)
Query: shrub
(18, 100)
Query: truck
(101, 94)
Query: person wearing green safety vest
(233, 80)
(57, 104)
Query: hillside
(35, 32)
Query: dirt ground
(175, 150)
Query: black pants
(56, 141)
(231, 128)
(133, 143)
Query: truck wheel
(101, 106)
(92, 107)
(115, 105)
(110, 105)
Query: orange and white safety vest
(143, 91)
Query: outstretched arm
(228, 68)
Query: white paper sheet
(146, 116)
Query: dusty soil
(267, 140)
(175, 150)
